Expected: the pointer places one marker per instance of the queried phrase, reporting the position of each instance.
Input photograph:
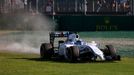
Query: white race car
(74, 49)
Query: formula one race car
(74, 49)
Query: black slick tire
(46, 51)
(73, 53)
(110, 50)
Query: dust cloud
(34, 31)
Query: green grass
(30, 64)
(12, 63)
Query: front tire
(110, 50)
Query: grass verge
(30, 64)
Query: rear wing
(59, 34)
(54, 35)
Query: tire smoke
(35, 31)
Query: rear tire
(73, 53)
(46, 51)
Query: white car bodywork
(72, 48)
(82, 45)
